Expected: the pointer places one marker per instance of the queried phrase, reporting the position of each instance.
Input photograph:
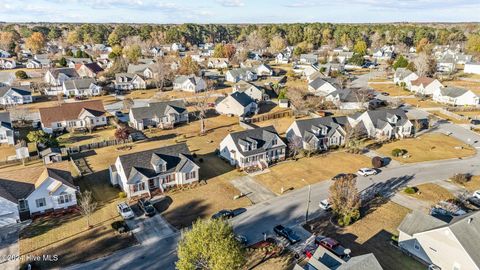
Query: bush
(120, 226)
(21, 75)
(200, 160)
(398, 152)
(395, 238)
(461, 178)
(410, 190)
(377, 162)
(122, 195)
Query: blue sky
(239, 11)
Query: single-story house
(308, 59)
(81, 87)
(322, 86)
(139, 174)
(190, 83)
(456, 96)
(253, 91)
(164, 114)
(256, 147)
(404, 76)
(15, 95)
(237, 74)
(57, 76)
(90, 70)
(238, 103)
(425, 86)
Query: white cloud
(231, 3)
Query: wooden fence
(18, 161)
(96, 145)
(270, 116)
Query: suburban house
(143, 173)
(6, 78)
(324, 259)
(52, 190)
(259, 69)
(282, 58)
(237, 74)
(404, 76)
(90, 70)
(73, 62)
(256, 147)
(383, 124)
(14, 95)
(57, 76)
(251, 90)
(349, 99)
(144, 70)
(220, 63)
(4, 54)
(177, 47)
(310, 59)
(322, 86)
(472, 68)
(456, 96)
(452, 245)
(129, 81)
(39, 61)
(74, 115)
(237, 103)
(319, 134)
(164, 114)
(425, 86)
(6, 63)
(81, 87)
(7, 134)
(446, 65)
(190, 83)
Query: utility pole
(308, 200)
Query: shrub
(200, 160)
(120, 226)
(410, 190)
(194, 155)
(122, 195)
(395, 238)
(21, 75)
(377, 162)
(460, 178)
(398, 152)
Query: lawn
(428, 147)
(422, 103)
(68, 236)
(372, 234)
(449, 118)
(261, 259)
(392, 89)
(289, 174)
(473, 184)
(79, 138)
(431, 193)
(474, 86)
(203, 200)
(471, 114)
(6, 151)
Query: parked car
(452, 208)
(242, 239)
(474, 201)
(147, 207)
(125, 210)
(118, 114)
(287, 233)
(342, 175)
(476, 194)
(223, 214)
(332, 245)
(366, 172)
(385, 94)
(325, 205)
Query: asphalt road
(290, 209)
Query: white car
(125, 210)
(476, 194)
(325, 205)
(366, 172)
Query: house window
(139, 187)
(169, 178)
(23, 205)
(40, 202)
(59, 125)
(190, 175)
(66, 198)
(416, 246)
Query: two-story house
(256, 147)
(163, 114)
(238, 74)
(129, 81)
(253, 91)
(456, 96)
(319, 134)
(56, 77)
(143, 173)
(190, 83)
(75, 115)
(237, 103)
(384, 124)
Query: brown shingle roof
(69, 111)
(422, 80)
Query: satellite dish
(347, 252)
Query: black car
(223, 214)
(474, 201)
(147, 207)
(343, 175)
(288, 233)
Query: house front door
(152, 184)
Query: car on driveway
(366, 172)
(242, 239)
(125, 211)
(476, 194)
(147, 207)
(226, 214)
(287, 233)
(474, 201)
(332, 245)
(118, 114)
(325, 205)
(385, 94)
(343, 175)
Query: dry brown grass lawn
(449, 118)
(472, 114)
(432, 193)
(473, 184)
(474, 86)
(432, 146)
(392, 89)
(79, 138)
(372, 233)
(285, 261)
(6, 151)
(289, 174)
(422, 103)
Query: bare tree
(295, 145)
(345, 200)
(255, 41)
(201, 105)
(19, 113)
(424, 64)
(353, 136)
(163, 72)
(128, 103)
(87, 205)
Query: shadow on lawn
(212, 166)
(185, 215)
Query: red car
(332, 245)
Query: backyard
(372, 234)
(289, 174)
(428, 147)
(79, 138)
(391, 89)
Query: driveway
(150, 229)
(256, 192)
(9, 247)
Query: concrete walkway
(150, 229)
(256, 192)
(9, 247)
(410, 203)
